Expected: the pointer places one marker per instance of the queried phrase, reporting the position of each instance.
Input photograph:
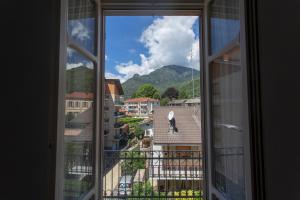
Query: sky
(142, 44)
(137, 44)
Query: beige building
(141, 107)
(113, 131)
(77, 102)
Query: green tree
(164, 101)
(171, 93)
(138, 132)
(147, 90)
(133, 161)
(183, 94)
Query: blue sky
(122, 40)
(141, 44)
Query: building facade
(185, 102)
(177, 155)
(77, 102)
(141, 107)
(113, 131)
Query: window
(224, 23)
(77, 104)
(70, 104)
(77, 130)
(228, 121)
(224, 75)
(85, 104)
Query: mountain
(80, 79)
(162, 78)
(187, 87)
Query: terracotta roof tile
(80, 95)
(189, 127)
(141, 99)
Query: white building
(140, 107)
(177, 157)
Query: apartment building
(77, 102)
(141, 107)
(113, 131)
(177, 154)
(185, 102)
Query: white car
(125, 185)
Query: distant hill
(162, 78)
(188, 88)
(80, 79)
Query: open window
(227, 142)
(82, 130)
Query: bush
(138, 132)
(142, 189)
(188, 195)
(130, 120)
(133, 161)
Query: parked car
(125, 185)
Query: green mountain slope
(162, 78)
(187, 87)
(80, 79)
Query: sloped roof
(141, 99)
(195, 100)
(115, 82)
(177, 101)
(80, 95)
(189, 127)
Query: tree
(183, 94)
(138, 132)
(164, 101)
(171, 93)
(133, 160)
(147, 90)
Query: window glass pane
(224, 23)
(79, 131)
(82, 23)
(228, 131)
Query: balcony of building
(135, 174)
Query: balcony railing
(139, 174)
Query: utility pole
(192, 73)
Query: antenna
(192, 72)
(172, 123)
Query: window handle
(230, 126)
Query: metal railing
(135, 174)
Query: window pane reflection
(228, 146)
(79, 131)
(224, 23)
(82, 23)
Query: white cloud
(132, 51)
(80, 64)
(169, 40)
(70, 52)
(113, 76)
(79, 30)
(106, 57)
